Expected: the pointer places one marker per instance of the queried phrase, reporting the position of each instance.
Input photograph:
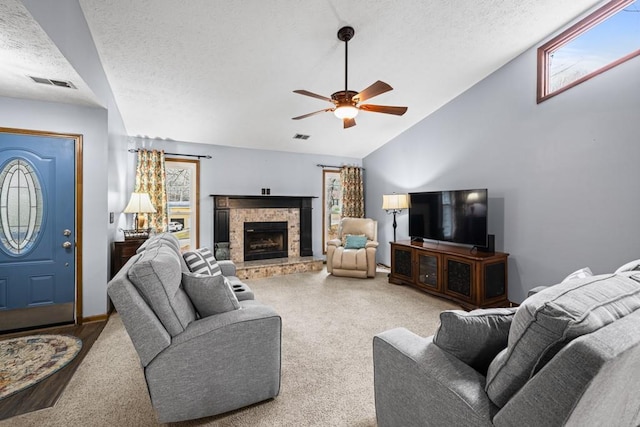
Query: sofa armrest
(334, 242)
(417, 383)
(218, 364)
(227, 267)
(371, 244)
(536, 290)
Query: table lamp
(139, 203)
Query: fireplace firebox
(265, 240)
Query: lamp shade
(395, 202)
(139, 203)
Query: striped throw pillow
(202, 261)
(211, 261)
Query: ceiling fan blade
(375, 89)
(311, 94)
(348, 123)
(311, 114)
(398, 111)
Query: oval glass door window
(20, 206)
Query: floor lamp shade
(394, 203)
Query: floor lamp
(395, 203)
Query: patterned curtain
(151, 178)
(352, 192)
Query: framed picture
(331, 205)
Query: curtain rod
(200, 156)
(335, 167)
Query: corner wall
(104, 138)
(562, 175)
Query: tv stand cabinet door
(460, 279)
(428, 266)
(401, 265)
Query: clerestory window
(599, 42)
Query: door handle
(66, 232)
(66, 245)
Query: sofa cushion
(354, 259)
(157, 276)
(202, 261)
(548, 320)
(166, 238)
(475, 337)
(210, 294)
(355, 242)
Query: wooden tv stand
(473, 280)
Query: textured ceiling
(26, 50)
(223, 72)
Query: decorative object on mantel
(28, 360)
(222, 251)
(395, 203)
(139, 203)
(347, 103)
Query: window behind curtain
(183, 201)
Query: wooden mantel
(222, 204)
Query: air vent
(300, 136)
(51, 82)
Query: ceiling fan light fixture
(345, 112)
(348, 102)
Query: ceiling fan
(346, 102)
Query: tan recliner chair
(359, 262)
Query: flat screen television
(458, 216)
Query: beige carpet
(327, 367)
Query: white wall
(240, 171)
(562, 175)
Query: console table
(473, 280)
(121, 253)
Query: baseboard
(96, 318)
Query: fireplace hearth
(265, 240)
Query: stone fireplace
(232, 214)
(265, 240)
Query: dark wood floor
(46, 392)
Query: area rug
(25, 361)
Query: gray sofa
(568, 355)
(195, 366)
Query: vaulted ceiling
(223, 72)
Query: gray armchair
(583, 342)
(194, 367)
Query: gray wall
(241, 171)
(104, 141)
(562, 175)
(92, 124)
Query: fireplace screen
(265, 240)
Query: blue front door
(37, 229)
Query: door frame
(78, 204)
